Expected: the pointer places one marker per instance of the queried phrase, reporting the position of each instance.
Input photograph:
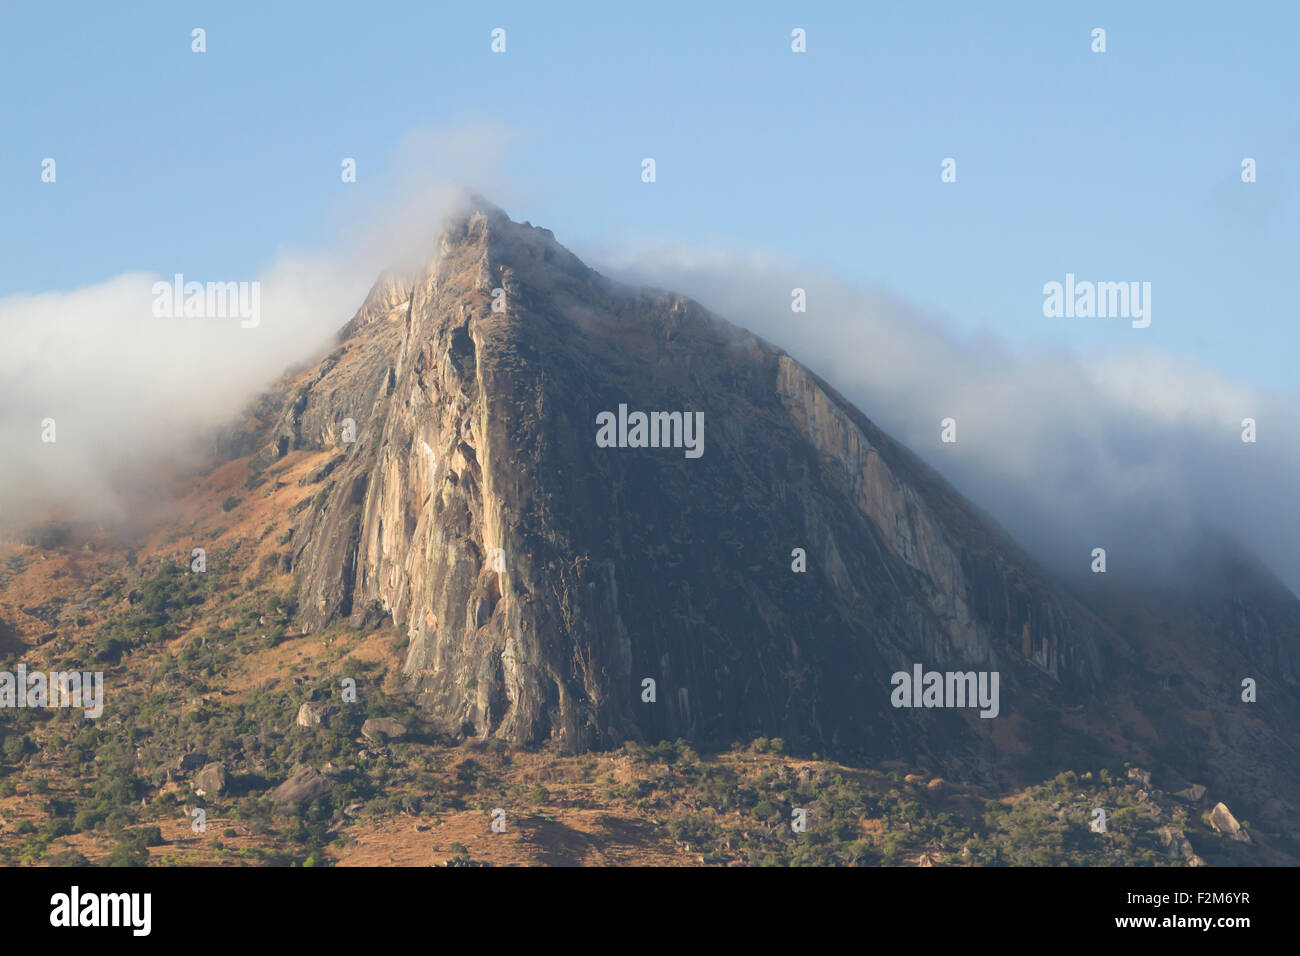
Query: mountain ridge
(361, 504)
(475, 432)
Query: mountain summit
(515, 481)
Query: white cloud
(129, 391)
(1135, 451)
(1132, 450)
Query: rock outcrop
(311, 713)
(383, 728)
(304, 787)
(1175, 843)
(556, 589)
(543, 579)
(213, 780)
(1224, 822)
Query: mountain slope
(427, 510)
(542, 578)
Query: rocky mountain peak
(557, 585)
(544, 577)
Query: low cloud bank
(110, 387)
(1137, 452)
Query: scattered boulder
(1175, 843)
(1222, 820)
(310, 714)
(211, 780)
(192, 761)
(1193, 794)
(386, 726)
(303, 787)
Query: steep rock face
(981, 600)
(542, 579)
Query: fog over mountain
(539, 578)
(134, 395)
(1135, 451)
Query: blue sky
(1116, 166)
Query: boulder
(211, 780)
(1222, 820)
(303, 787)
(1193, 794)
(310, 714)
(375, 726)
(1175, 843)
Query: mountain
(772, 585)
(436, 570)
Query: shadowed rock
(383, 728)
(306, 786)
(212, 780)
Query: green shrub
(128, 853)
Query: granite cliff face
(542, 578)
